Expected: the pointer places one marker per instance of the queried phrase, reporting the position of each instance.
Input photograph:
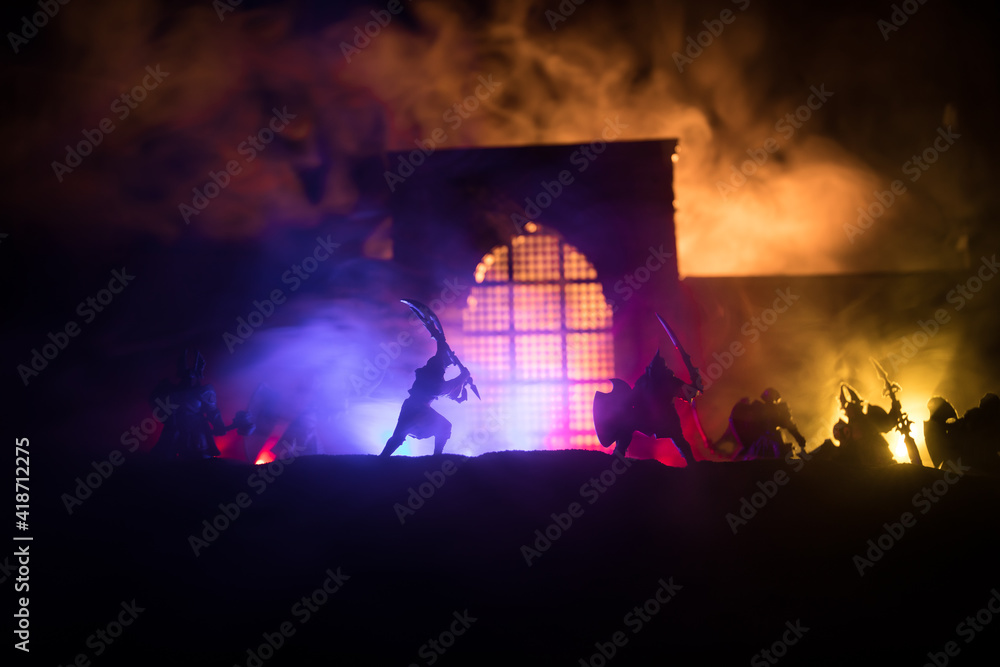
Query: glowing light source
(537, 336)
(897, 445)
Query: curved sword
(692, 371)
(695, 379)
(433, 324)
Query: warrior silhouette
(757, 427)
(189, 432)
(973, 437)
(648, 407)
(942, 432)
(982, 426)
(861, 440)
(416, 416)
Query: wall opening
(537, 334)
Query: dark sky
(891, 93)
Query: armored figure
(189, 432)
(860, 437)
(973, 437)
(757, 427)
(416, 416)
(982, 426)
(942, 432)
(648, 407)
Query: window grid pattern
(586, 307)
(487, 309)
(538, 329)
(576, 266)
(495, 267)
(537, 307)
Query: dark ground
(462, 552)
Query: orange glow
(493, 268)
(541, 343)
(917, 388)
(897, 445)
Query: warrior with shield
(648, 407)
(416, 416)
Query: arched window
(537, 329)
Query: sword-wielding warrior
(416, 416)
(653, 401)
(648, 407)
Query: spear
(903, 423)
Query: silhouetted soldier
(980, 428)
(942, 432)
(860, 437)
(416, 416)
(648, 407)
(758, 425)
(189, 432)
